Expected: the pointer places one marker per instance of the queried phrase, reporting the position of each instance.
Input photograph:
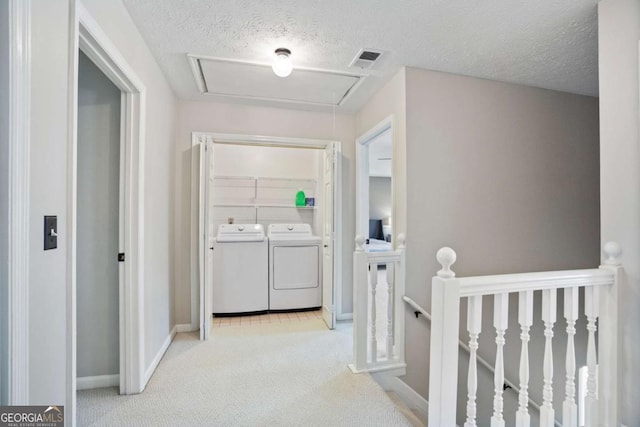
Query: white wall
(4, 196)
(249, 120)
(48, 196)
(379, 197)
(159, 174)
(49, 117)
(266, 162)
(97, 283)
(232, 160)
(618, 35)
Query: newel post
(360, 290)
(608, 339)
(445, 318)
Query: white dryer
(295, 273)
(240, 263)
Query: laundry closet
(266, 206)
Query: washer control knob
(240, 227)
(290, 227)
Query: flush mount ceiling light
(282, 62)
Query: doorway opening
(375, 206)
(91, 40)
(252, 181)
(98, 229)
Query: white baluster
(525, 318)
(591, 302)
(390, 302)
(373, 279)
(500, 322)
(474, 326)
(569, 408)
(547, 414)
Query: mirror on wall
(380, 197)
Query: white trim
(92, 40)
(156, 360)
(344, 316)
(72, 130)
(338, 235)
(18, 244)
(274, 141)
(407, 395)
(98, 381)
(185, 327)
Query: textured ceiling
(550, 44)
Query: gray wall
(98, 204)
(379, 197)
(507, 176)
(618, 35)
(4, 196)
(49, 121)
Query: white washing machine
(240, 265)
(295, 267)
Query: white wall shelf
(262, 200)
(260, 205)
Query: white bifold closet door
(328, 237)
(206, 234)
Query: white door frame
(18, 215)
(362, 176)
(93, 41)
(274, 141)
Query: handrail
(416, 306)
(519, 282)
(466, 348)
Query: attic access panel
(257, 81)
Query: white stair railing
(600, 305)
(378, 315)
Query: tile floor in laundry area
(256, 319)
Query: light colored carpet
(282, 374)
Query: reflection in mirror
(380, 201)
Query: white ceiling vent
(366, 58)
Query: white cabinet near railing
(600, 308)
(378, 322)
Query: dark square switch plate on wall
(50, 232)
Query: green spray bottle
(300, 199)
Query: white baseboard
(185, 327)
(98, 381)
(409, 396)
(156, 360)
(344, 316)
